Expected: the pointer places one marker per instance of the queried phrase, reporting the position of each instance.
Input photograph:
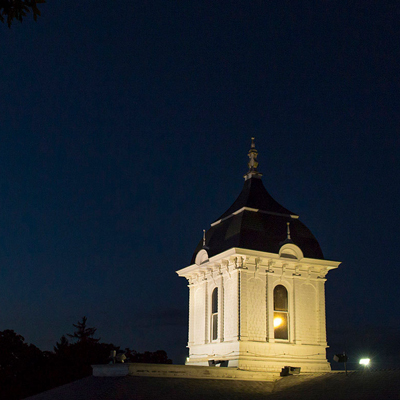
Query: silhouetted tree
(18, 9)
(74, 360)
(21, 367)
(25, 370)
(61, 347)
(83, 333)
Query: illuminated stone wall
(246, 280)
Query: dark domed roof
(256, 221)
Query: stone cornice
(259, 263)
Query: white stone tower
(256, 282)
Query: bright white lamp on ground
(365, 362)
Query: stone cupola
(256, 287)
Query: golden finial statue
(253, 163)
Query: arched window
(214, 314)
(281, 330)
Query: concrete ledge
(111, 370)
(182, 371)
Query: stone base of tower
(257, 356)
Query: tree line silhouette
(25, 370)
(18, 9)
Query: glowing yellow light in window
(278, 321)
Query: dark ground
(356, 385)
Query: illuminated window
(281, 313)
(214, 314)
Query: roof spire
(253, 163)
(288, 231)
(204, 237)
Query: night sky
(125, 127)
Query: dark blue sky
(124, 132)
